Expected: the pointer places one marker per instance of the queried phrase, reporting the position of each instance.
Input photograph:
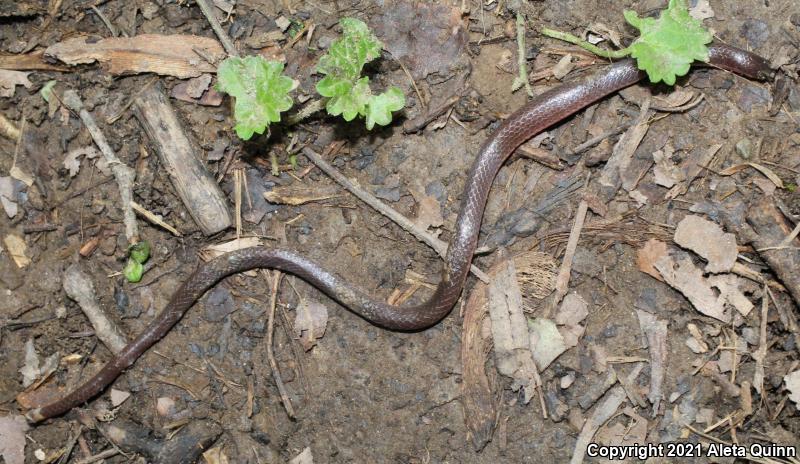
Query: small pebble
(744, 148)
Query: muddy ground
(364, 394)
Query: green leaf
(47, 90)
(348, 54)
(668, 45)
(133, 271)
(352, 102)
(380, 107)
(261, 92)
(139, 252)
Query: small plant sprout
(666, 46)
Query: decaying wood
(197, 189)
(172, 55)
(480, 415)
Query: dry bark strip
(197, 189)
(480, 414)
(765, 228)
(172, 55)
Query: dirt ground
(365, 394)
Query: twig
(111, 28)
(276, 374)
(99, 456)
(79, 287)
(562, 281)
(122, 173)
(439, 246)
(154, 218)
(522, 79)
(761, 353)
(306, 111)
(208, 12)
(567, 37)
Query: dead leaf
(8, 196)
(656, 332)
(563, 67)
(728, 286)
(684, 276)
(648, 255)
(762, 169)
(546, 341)
(571, 313)
(12, 439)
(304, 457)
(702, 10)
(310, 322)
(793, 385)
(197, 90)
(666, 173)
(429, 212)
(171, 55)
(16, 248)
(9, 80)
(292, 195)
(72, 161)
(118, 397)
(215, 456)
(708, 240)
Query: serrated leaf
(351, 103)
(139, 252)
(380, 107)
(261, 92)
(668, 45)
(133, 271)
(348, 54)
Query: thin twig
(276, 374)
(562, 281)
(439, 246)
(123, 174)
(208, 12)
(522, 79)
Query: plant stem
(523, 69)
(306, 111)
(567, 37)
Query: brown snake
(540, 113)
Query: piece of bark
(197, 189)
(32, 61)
(480, 414)
(763, 226)
(172, 55)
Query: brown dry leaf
(571, 313)
(215, 456)
(9, 80)
(294, 196)
(563, 67)
(702, 10)
(171, 55)
(118, 397)
(708, 240)
(793, 385)
(72, 161)
(546, 341)
(16, 248)
(426, 38)
(648, 255)
(728, 286)
(197, 90)
(310, 321)
(684, 276)
(304, 457)
(762, 169)
(666, 173)
(12, 439)
(692, 166)
(429, 212)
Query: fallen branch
(122, 173)
(79, 287)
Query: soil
(364, 394)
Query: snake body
(540, 113)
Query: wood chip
(171, 55)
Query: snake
(540, 113)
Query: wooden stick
(194, 185)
